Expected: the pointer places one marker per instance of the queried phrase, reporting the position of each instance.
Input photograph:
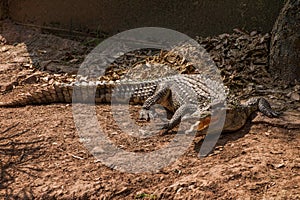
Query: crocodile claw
(147, 115)
(265, 108)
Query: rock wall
(192, 17)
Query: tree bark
(285, 44)
(3, 9)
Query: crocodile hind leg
(184, 111)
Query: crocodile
(185, 96)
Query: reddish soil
(42, 156)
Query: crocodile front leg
(160, 96)
(262, 105)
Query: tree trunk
(3, 9)
(285, 44)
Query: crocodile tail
(96, 92)
(44, 95)
(63, 93)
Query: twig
(77, 157)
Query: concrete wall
(193, 17)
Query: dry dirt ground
(43, 157)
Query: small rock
(268, 132)
(295, 96)
(297, 88)
(45, 79)
(253, 33)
